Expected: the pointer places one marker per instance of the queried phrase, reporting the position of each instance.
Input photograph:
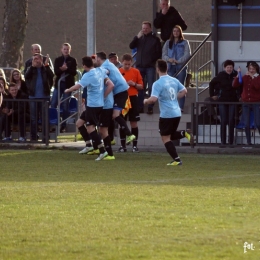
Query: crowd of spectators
(33, 85)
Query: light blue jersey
(166, 89)
(109, 100)
(93, 80)
(116, 77)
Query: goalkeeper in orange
(135, 82)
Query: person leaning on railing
(250, 93)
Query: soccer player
(119, 91)
(135, 82)
(94, 80)
(167, 90)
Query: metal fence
(203, 56)
(23, 120)
(207, 128)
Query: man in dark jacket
(65, 69)
(36, 48)
(148, 52)
(167, 18)
(225, 93)
(39, 79)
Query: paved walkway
(181, 149)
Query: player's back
(166, 89)
(116, 77)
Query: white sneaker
(102, 156)
(21, 140)
(86, 150)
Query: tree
(13, 35)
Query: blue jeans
(148, 75)
(246, 115)
(172, 69)
(37, 115)
(227, 117)
(64, 105)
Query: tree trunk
(14, 30)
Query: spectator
(114, 59)
(148, 51)
(2, 74)
(250, 93)
(39, 78)
(36, 48)
(176, 51)
(167, 18)
(18, 79)
(135, 82)
(16, 113)
(65, 68)
(3, 95)
(226, 93)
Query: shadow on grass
(52, 166)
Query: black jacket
(31, 78)
(71, 71)
(28, 64)
(167, 21)
(149, 50)
(221, 86)
(19, 107)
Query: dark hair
(111, 55)
(253, 64)
(228, 63)
(181, 37)
(87, 61)
(102, 55)
(127, 57)
(161, 65)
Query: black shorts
(92, 115)
(120, 100)
(105, 118)
(83, 115)
(168, 126)
(133, 113)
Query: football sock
(107, 143)
(121, 121)
(135, 133)
(171, 149)
(122, 136)
(97, 141)
(84, 133)
(111, 130)
(178, 135)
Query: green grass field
(62, 205)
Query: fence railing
(240, 121)
(23, 120)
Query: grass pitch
(62, 205)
